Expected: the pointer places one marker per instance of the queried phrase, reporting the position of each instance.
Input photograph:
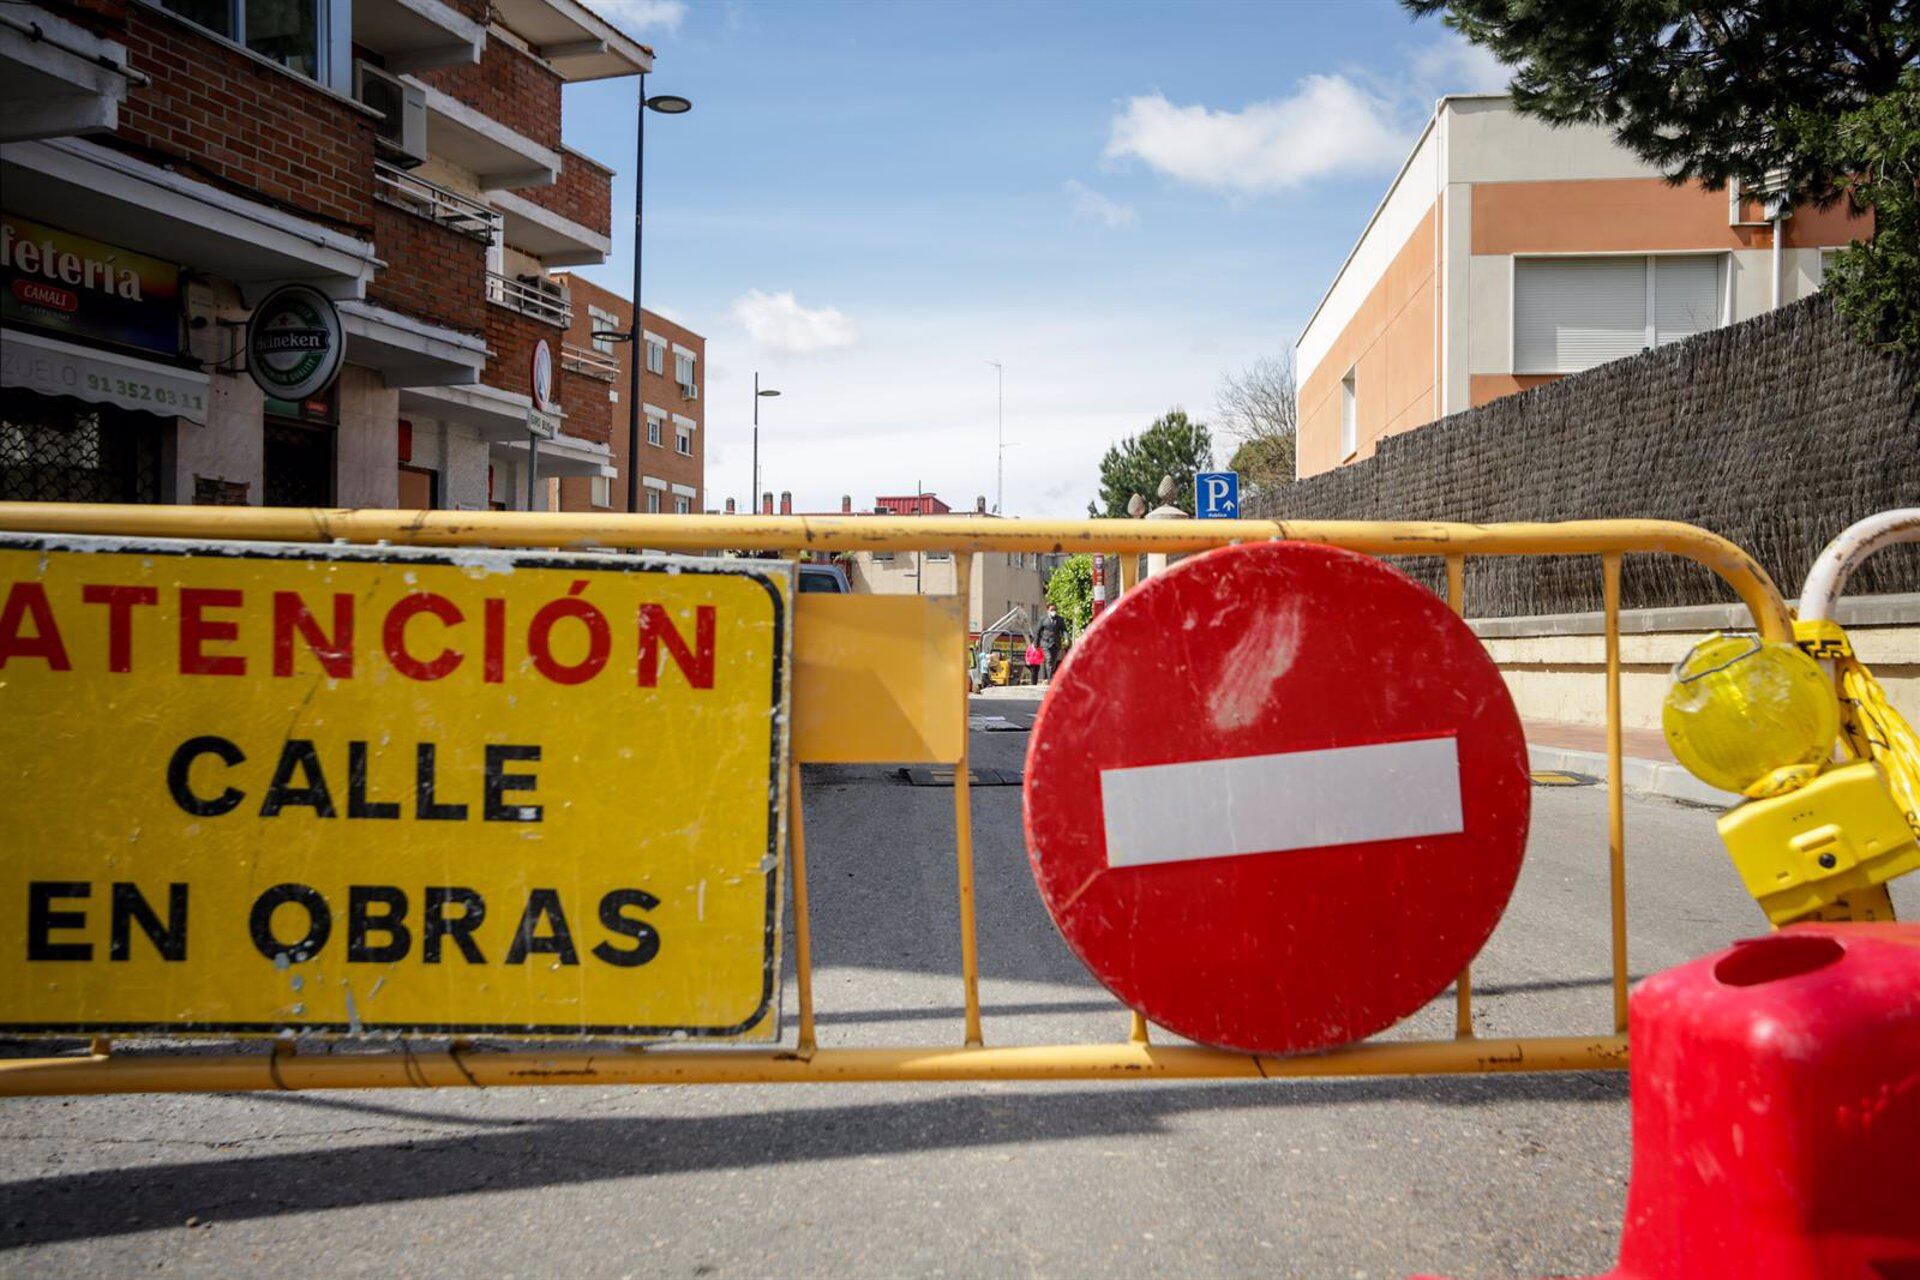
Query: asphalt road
(1507, 1176)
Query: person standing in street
(1053, 641)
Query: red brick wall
(510, 337)
(432, 272)
(246, 125)
(507, 85)
(589, 412)
(584, 193)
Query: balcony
(566, 224)
(574, 40)
(467, 110)
(496, 155)
(585, 360)
(57, 78)
(435, 203)
(546, 301)
(412, 35)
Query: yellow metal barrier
(848, 710)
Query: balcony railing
(434, 202)
(595, 364)
(546, 300)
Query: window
(683, 372)
(602, 491)
(289, 32)
(882, 557)
(653, 502)
(682, 506)
(934, 557)
(1571, 314)
(683, 441)
(656, 355)
(653, 430)
(1349, 417)
(602, 322)
(61, 450)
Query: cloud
(1094, 207)
(637, 17)
(1456, 66)
(1329, 125)
(778, 322)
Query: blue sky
(1119, 202)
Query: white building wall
(1487, 141)
(1393, 223)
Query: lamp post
(754, 497)
(667, 104)
(1000, 450)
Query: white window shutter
(1571, 314)
(1686, 297)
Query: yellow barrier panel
(871, 683)
(390, 792)
(928, 643)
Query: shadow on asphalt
(522, 1154)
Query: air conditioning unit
(402, 131)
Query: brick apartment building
(402, 156)
(673, 451)
(1507, 253)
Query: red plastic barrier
(1776, 1111)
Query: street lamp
(754, 497)
(667, 104)
(1000, 401)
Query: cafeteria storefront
(94, 376)
(124, 373)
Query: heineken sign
(294, 342)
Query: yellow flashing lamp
(1751, 717)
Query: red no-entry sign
(1277, 799)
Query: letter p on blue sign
(1216, 495)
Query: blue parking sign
(1216, 495)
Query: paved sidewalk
(1647, 765)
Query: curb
(1650, 777)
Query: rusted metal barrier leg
(1129, 566)
(1463, 986)
(802, 918)
(1616, 789)
(963, 832)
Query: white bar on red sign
(1294, 800)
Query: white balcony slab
(498, 156)
(412, 35)
(93, 191)
(573, 39)
(410, 352)
(557, 241)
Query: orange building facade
(1508, 253)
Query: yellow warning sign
(252, 788)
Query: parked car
(827, 578)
